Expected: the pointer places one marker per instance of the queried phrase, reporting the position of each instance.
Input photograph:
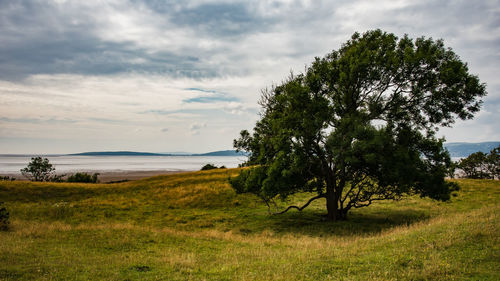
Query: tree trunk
(332, 206)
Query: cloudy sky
(166, 76)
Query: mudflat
(112, 176)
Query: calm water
(12, 164)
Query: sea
(12, 164)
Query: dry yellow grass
(188, 227)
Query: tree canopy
(360, 124)
(480, 165)
(39, 169)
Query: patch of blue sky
(201, 90)
(214, 97)
(211, 99)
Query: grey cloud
(195, 128)
(47, 38)
(441, 18)
(492, 104)
(79, 54)
(39, 38)
(43, 38)
(258, 41)
(225, 19)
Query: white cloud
(110, 109)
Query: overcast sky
(166, 76)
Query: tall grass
(194, 227)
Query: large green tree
(359, 125)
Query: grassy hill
(193, 226)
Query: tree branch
(300, 208)
(354, 184)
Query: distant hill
(464, 149)
(222, 153)
(456, 149)
(134, 153)
(118, 153)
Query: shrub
(57, 178)
(208, 167)
(4, 218)
(83, 177)
(211, 167)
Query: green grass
(194, 227)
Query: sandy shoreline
(109, 176)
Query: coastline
(107, 176)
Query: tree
(39, 169)
(474, 166)
(493, 163)
(359, 125)
(480, 165)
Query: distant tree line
(480, 165)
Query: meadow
(192, 226)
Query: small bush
(4, 218)
(211, 167)
(83, 177)
(208, 167)
(57, 178)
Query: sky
(185, 76)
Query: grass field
(193, 226)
